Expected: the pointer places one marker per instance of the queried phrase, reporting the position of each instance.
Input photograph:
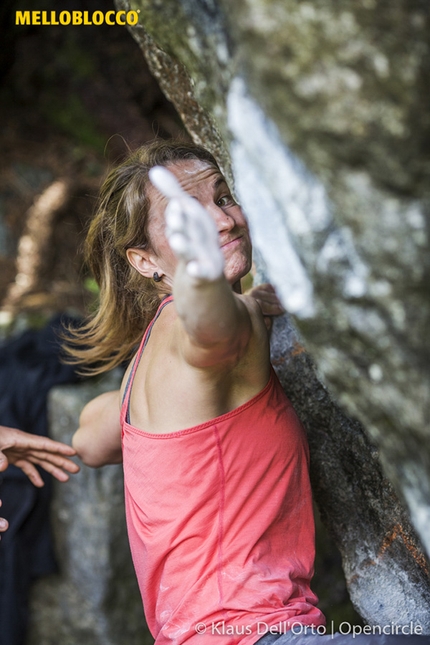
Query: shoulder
(246, 351)
(162, 328)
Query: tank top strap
(126, 397)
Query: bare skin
(98, 438)
(100, 417)
(4, 524)
(26, 451)
(209, 349)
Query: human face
(205, 183)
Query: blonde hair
(127, 301)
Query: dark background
(72, 100)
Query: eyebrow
(221, 180)
(217, 183)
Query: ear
(144, 262)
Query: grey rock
(385, 569)
(94, 599)
(322, 109)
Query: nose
(225, 222)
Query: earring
(156, 277)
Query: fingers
(264, 292)
(35, 442)
(58, 447)
(22, 441)
(266, 297)
(55, 471)
(193, 237)
(3, 462)
(25, 451)
(178, 230)
(31, 472)
(174, 217)
(56, 464)
(48, 460)
(56, 468)
(191, 231)
(4, 524)
(166, 182)
(177, 233)
(266, 287)
(270, 309)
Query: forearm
(209, 310)
(216, 325)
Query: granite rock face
(348, 89)
(94, 599)
(320, 109)
(385, 570)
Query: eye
(226, 200)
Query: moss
(189, 32)
(73, 119)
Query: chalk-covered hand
(191, 231)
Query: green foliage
(91, 285)
(75, 121)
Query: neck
(237, 288)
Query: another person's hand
(26, 451)
(3, 524)
(269, 302)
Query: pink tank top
(220, 522)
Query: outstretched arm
(215, 320)
(28, 451)
(98, 438)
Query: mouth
(231, 243)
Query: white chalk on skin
(174, 216)
(166, 182)
(192, 233)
